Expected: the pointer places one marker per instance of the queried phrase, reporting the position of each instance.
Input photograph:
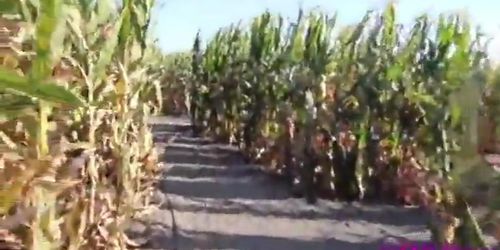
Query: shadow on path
(210, 240)
(220, 203)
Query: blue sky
(177, 21)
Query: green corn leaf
(390, 25)
(13, 107)
(47, 23)
(9, 7)
(10, 81)
(109, 46)
(394, 73)
(126, 29)
(86, 7)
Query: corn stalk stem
(92, 166)
(43, 127)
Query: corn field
(374, 110)
(78, 81)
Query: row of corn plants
(489, 143)
(77, 157)
(376, 109)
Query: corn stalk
(385, 95)
(65, 172)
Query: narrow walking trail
(208, 198)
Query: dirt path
(209, 199)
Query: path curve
(209, 199)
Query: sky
(176, 22)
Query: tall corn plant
(33, 192)
(75, 45)
(117, 82)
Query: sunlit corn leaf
(13, 107)
(109, 45)
(10, 81)
(47, 23)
